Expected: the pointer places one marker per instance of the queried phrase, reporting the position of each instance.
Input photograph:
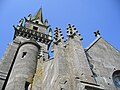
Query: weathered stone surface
(24, 67)
(26, 64)
(105, 60)
(6, 62)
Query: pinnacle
(46, 22)
(29, 17)
(71, 30)
(20, 23)
(58, 36)
(50, 33)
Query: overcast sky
(87, 15)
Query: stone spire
(38, 15)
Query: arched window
(116, 79)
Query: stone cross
(97, 33)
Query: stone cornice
(32, 34)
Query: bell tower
(31, 37)
(35, 29)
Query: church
(27, 65)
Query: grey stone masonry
(24, 67)
(6, 62)
(27, 65)
(105, 60)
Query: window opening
(35, 28)
(24, 54)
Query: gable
(104, 60)
(104, 50)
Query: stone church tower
(26, 64)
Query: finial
(97, 33)
(50, 33)
(58, 36)
(38, 15)
(25, 19)
(14, 27)
(29, 17)
(21, 22)
(46, 22)
(72, 31)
